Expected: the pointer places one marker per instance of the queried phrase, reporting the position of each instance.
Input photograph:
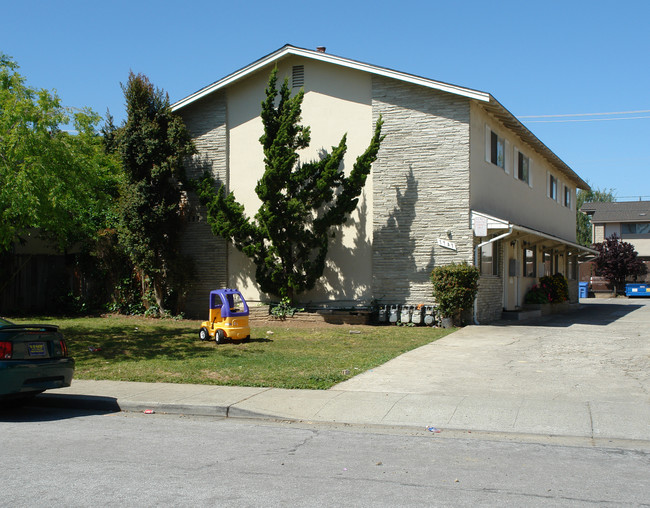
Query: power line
(588, 120)
(576, 117)
(590, 114)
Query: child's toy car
(228, 317)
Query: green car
(33, 358)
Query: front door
(512, 274)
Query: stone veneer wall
(599, 233)
(206, 122)
(490, 299)
(421, 188)
(490, 291)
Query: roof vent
(321, 49)
(298, 76)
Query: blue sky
(536, 58)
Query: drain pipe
(480, 245)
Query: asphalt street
(62, 457)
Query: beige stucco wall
(641, 243)
(611, 229)
(497, 192)
(337, 101)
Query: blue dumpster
(637, 290)
(583, 290)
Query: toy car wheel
(204, 334)
(219, 336)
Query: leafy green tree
(55, 181)
(583, 222)
(301, 202)
(152, 145)
(617, 261)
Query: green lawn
(318, 357)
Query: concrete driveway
(601, 350)
(586, 368)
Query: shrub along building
(458, 179)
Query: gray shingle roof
(620, 211)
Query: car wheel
(219, 336)
(204, 334)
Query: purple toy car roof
(224, 299)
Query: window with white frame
(548, 263)
(495, 148)
(530, 260)
(552, 187)
(489, 259)
(567, 196)
(522, 167)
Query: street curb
(112, 404)
(94, 402)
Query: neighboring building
(457, 176)
(629, 220)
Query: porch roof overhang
(534, 236)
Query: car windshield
(236, 304)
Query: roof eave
(329, 58)
(510, 121)
(500, 224)
(489, 103)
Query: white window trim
(488, 149)
(548, 186)
(515, 167)
(571, 198)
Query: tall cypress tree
(301, 202)
(152, 144)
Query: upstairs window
(522, 170)
(497, 150)
(631, 228)
(567, 197)
(552, 187)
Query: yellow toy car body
(228, 317)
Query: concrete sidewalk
(584, 374)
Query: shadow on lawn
(142, 343)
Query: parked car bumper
(18, 377)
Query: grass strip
(122, 348)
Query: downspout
(480, 245)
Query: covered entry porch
(513, 257)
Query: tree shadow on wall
(395, 268)
(345, 279)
